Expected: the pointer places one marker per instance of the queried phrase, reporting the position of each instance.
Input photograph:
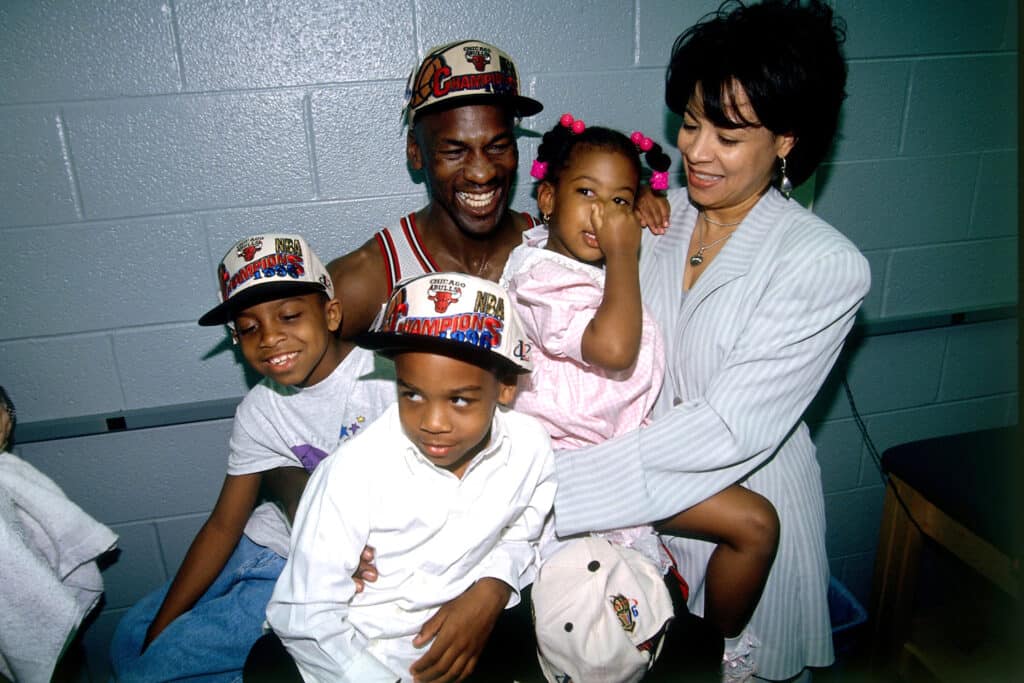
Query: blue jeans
(210, 642)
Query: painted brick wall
(141, 138)
(924, 180)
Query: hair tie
(642, 142)
(659, 180)
(656, 159)
(539, 169)
(575, 125)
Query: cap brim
(391, 344)
(518, 105)
(227, 310)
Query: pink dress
(556, 297)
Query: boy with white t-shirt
(318, 391)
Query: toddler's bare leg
(746, 528)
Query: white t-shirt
(434, 536)
(287, 426)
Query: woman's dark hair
(786, 54)
(557, 145)
(6, 405)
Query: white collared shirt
(434, 536)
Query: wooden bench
(962, 492)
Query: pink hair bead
(578, 126)
(636, 137)
(659, 180)
(539, 169)
(646, 144)
(566, 120)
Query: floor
(852, 668)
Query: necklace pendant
(697, 259)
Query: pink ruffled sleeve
(555, 307)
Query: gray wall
(141, 138)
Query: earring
(546, 217)
(785, 185)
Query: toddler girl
(599, 358)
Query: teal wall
(141, 138)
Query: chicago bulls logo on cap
(478, 55)
(444, 293)
(455, 314)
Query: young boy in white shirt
(448, 487)
(318, 390)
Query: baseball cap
(466, 72)
(263, 268)
(601, 611)
(453, 314)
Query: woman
(755, 296)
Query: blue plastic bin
(847, 615)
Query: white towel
(49, 579)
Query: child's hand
(366, 571)
(652, 210)
(617, 229)
(459, 631)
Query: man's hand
(459, 631)
(285, 485)
(652, 210)
(366, 571)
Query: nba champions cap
(453, 314)
(263, 268)
(601, 612)
(466, 72)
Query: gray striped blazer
(747, 349)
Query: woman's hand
(652, 210)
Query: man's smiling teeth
(477, 200)
(282, 359)
(705, 176)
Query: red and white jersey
(403, 251)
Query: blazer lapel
(736, 257)
(661, 269)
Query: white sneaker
(738, 659)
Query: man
(463, 102)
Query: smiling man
(463, 101)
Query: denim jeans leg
(209, 643)
(131, 630)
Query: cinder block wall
(141, 138)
